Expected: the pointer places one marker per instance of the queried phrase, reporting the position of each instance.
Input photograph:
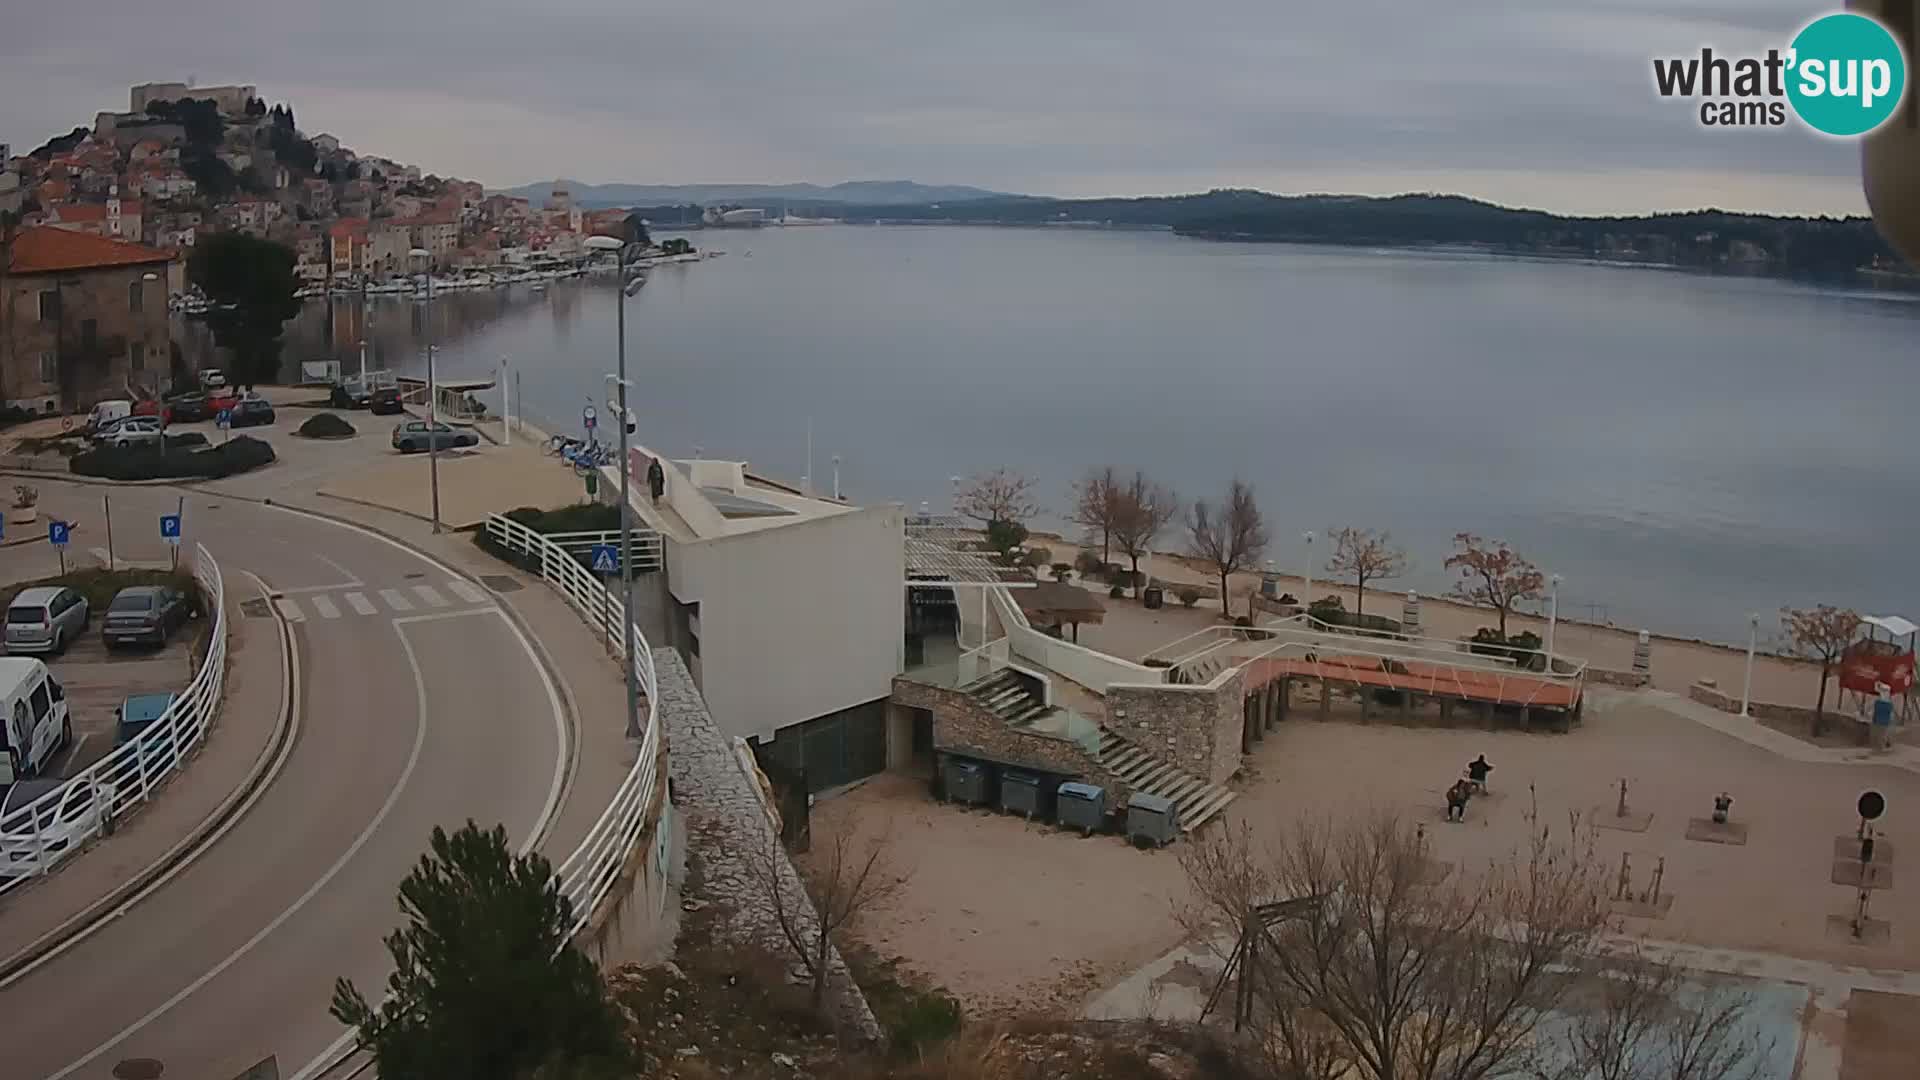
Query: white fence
(589, 874)
(38, 835)
(1094, 670)
(647, 550)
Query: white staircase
(1007, 697)
(1197, 799)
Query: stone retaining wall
(961, 725)
(1761, 710)
(1633, 680)
(1197, 728)
(726, 819)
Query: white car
(130, 432)
(77, 810)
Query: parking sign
(224, 419)
(170, 528)
(57, 533)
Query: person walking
(656, 480)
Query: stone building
(83, 318)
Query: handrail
(648, 550)
(589, 873)
(38, 835)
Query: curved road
(419, 704)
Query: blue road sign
(606, 559)
(170, 528)
(588, 417)
(57, 532)
(224, 418)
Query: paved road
(420, 705)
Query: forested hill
(1810, 247)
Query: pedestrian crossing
(350, 603)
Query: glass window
(49, 306)
(137, 357)
(136, 296)
(89, 333)
(49, 368)
(132, 602)
(42, 701)
(79, 802)
(26, 615)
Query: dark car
(252, 411)
(351, 394)
(136, 714)
(385, 401)
(414, 435)
(190, 408)
(143, 613)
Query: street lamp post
(433, 394)
(1553, 615)
(1306, 588)
(609, 243)
(1746, 686)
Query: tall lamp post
(1306, 587)
(433, 394)
(624, 419)
(1746, 685)
(1553, 615)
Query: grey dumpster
(966, 782)
(1152, 819)
(1020, 793)
(1083, 807)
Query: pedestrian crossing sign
(606, 560)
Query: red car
(150, 407)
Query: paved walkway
(1754, 733)
(237, 750)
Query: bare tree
(1001, 495)
(1381, 971)
(1820, 633)
(1649, 1019)
(1491, 575)
(1229, 537)
(1141, 511)
(810, 909)
(1094, 506)
(1364, 556)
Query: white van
(106, 412)
(34, 724)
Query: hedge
(238, 455)
(326, 426)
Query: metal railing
(648, 553)
(588, 874)
(38, 835)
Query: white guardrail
(589, 874)
(38, 835)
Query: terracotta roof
(47, 249)
(94, 211)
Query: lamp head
(605, 243)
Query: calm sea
(1683, 449)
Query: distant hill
(852, 192)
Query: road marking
(395, 600)
(466, 591)
(439, 616)
(431, 595)
(335, 587)
(324, 606)
(344, 572)
(73, 752)
(289, 610)
(360, 604)
(393, 797)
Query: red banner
(1862, 668)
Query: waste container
(1083, 807)
(1020, 793)
(1152, 819)
(1269, 586)
(967, 782)
(1154, 596)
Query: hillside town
(183, 162)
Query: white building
(788, 608)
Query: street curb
(100, 910)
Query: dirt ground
(1004, 913)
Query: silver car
(45, 619)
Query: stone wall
(1634, 680)
(1760, 710)
(725, 819)
(85, 371)
(1197, 728)
(964, 726)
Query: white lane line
(395, 600)
(466, 591)
(360, 604)
(289, 609)
(335, 587)
(393, 797)
(431, 595)
(344, 572)
(440, 616)
(324, 606)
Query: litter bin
(1020, 793)
(1151, 819)
(966, 782)
(1154, 596)
(1083, 807)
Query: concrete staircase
(1007, 697)
(1202, 669)
(1197, 799)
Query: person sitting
(1457, 797)
(1477, 771)
(1722, 803)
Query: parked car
(350, 394)
(130, 431)
(189, 408)
(252, 411)
(108, 412)
(415, 435)
(151, 407)
(82, 808)
(143, 613)
(34, 719)
(45, 619)
(213, 379)
(385, 401)
(138, 713)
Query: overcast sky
(1546, 104)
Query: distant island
(872, 193)
(1824, 247)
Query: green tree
(251, 284)
(1004, 536)
(486, 983)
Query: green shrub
(1189, 595)
(326, 426)
(1118, 592)
(1038, 557)
(1087, 564)
(99, 586)
(1329, 609)
(238, 455)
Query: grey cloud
(999, 92)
